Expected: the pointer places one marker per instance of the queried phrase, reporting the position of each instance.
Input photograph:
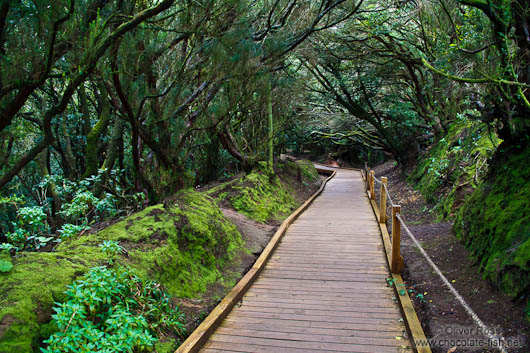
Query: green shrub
(112, 311)
(455, 164)
(70, 230)
(30, 229)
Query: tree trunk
(42, 160)
(228, 142)
(270, 139)
(112, 153)
(68, 154)
(93, 136)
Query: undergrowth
(182, 244)
(454, 166)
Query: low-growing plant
(85, 206)
(70, 230)
(30, 229)
(111, 248)
(27, 228)
(112, 310)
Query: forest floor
(256, 236)
(442, 316)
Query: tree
(24, 20)
(506, 103)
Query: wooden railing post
(382, 201)
(372, 189)
(367, 175)
(397, 259)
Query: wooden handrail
(382, 201)
(397, 263)
(397, 259)
(372, 188)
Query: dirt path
(441, 314)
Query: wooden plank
(362, 274)
(391, 327)
(326, 253)
(318, 312)
(304, 337)
(279, 343)
(278, 327)
(322, 285)
(317, 318)
(354, 259)
(363, 278)
(383, 300)
(320, 306)
(331, 260)
(321, 295)
(297, 268)
(253, 348)
(304, 294)
(303, 266)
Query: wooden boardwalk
(324, 288)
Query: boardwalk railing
(397, 263)
(393, 251)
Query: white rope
(462, 301)
(388, 196)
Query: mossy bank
(184, 244)
(266, 197)
(494, 222)
(472, 178)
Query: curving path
(324, 288)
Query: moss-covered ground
(183, 244)
(264, 197)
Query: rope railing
(499, 340)
(388, 194)
(397, 263)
